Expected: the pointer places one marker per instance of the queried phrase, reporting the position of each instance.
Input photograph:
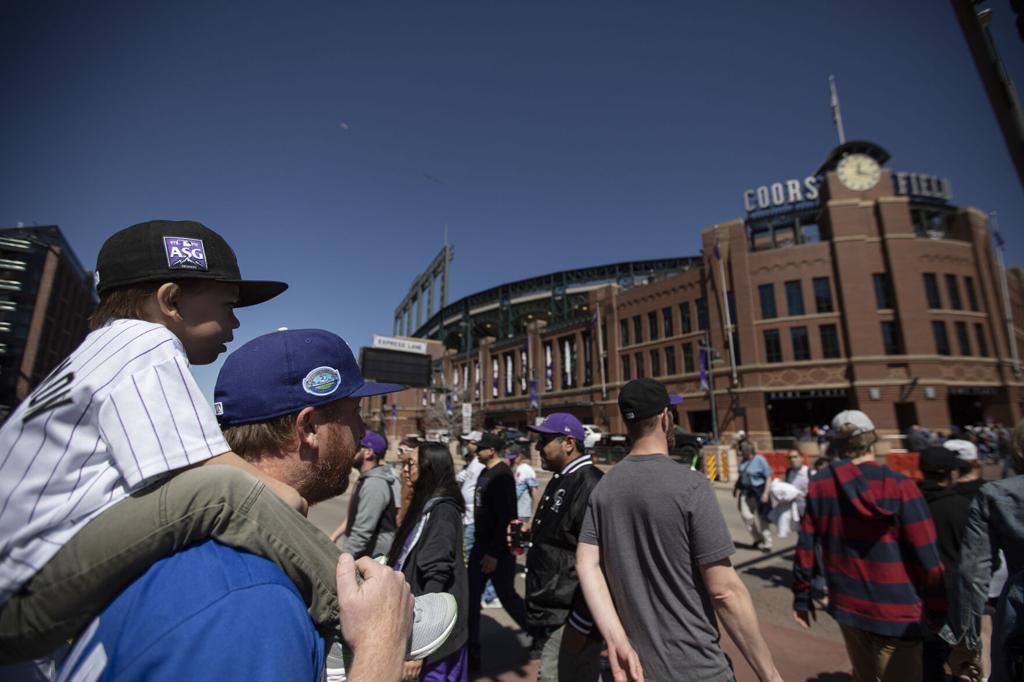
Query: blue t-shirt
(210, 612)
(754, 472)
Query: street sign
(467, 417)
(394, 366)
(404, 345)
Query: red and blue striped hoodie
(878, 547)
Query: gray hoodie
(371, 529)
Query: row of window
(649, 363)
(963, 339)
(662, 323)
(795, 298)
(931, 292)
(800, 340)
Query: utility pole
(710, 354)
(1002, 94)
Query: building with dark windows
(857, 286)
(46, 298)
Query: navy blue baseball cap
(285, 371)
(562, 424)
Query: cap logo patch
(184, 253)
(322, 381)
(629, 415)
(218, 408)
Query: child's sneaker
(433, 619)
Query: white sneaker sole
(450, 615)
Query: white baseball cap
(965, 450)
(472, 437)
(860, 421)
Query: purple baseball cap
(375, 442)
(562, 424)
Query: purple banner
(703, 370)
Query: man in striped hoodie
(882, 565)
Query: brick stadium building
(46, 298)
(857, 286)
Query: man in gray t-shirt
(653, 560)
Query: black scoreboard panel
(394, 366)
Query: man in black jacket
(949, 508)
(494, 508)
(564, 637)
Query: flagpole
(600, 355)
(1005, 291)
(728, 315)
(837, 117)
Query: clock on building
(858, 172)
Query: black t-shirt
(494, 508)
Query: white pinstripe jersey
(120, 411)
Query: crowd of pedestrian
(123, 555)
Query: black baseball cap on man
(937, 460)
(490, 440)
(162, 250)
(643, 398)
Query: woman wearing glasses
(428, 551)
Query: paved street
(817, 655)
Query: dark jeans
(502, 579)
(933, 658)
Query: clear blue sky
(330, 142)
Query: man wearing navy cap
(374, 503)
(289, 404)
(564, 637)
(654, 540)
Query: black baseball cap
(164, 250)
(643, 398)
(938, 460)
(490, 440)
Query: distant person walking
(428, 551)
(750, 488)
(560, 625)
(653, 560)
(995, 522)
(882, 565)
(370, 526)
(495, 507)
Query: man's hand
(376, 618)
(804, 618)
(524, 526)
(412, 670)
(624, 662)
(488, 564)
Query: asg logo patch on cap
(322, 381)
(184, 253)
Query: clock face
(859, 172)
